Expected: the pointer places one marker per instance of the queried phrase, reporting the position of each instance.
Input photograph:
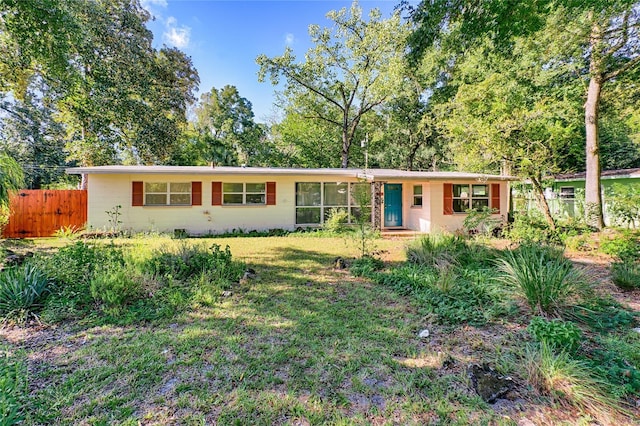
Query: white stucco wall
(105, 191)
(452, 223)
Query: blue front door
(392, 204)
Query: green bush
(187, 261)
(337, 221)
(624, 204)
(626, 275)
(13, 390)
(22, 291)
(542, 275)
(624, 245)
(115, 288)
(529, 228)
(601, 314)
(558, 334)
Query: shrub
(542, 276)
(22, 291)
(569, 381)
(188, 261)
(626, 275)
(115, 288)
(617, 360)
(337, 221)
(624, 204)
(557, 334)
(433, 248)
(481, 222)
(528, 228)
(624, 245)
(601, 314)
(13, 390)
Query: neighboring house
(202, 200)
(567, 187)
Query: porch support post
(376, 205)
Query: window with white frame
(316, 200)
(467, 197)
(567, 192)
(417, 196)
(167, 193)
(244, 193)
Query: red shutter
(271, 193)
(196, 193)
(137, 194)
(447, 207)
(495, 197)
(216, 193)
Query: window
(243, 193)
(316, 200)
(417, 196)
(568, 192)
(167, 193)
(470, 196)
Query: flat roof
(369, 174)
(605, 174)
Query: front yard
(299, 342)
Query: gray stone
(637, 329)
(340, 263)
(424, 334)
(226, 293)
(488, 383)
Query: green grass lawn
(302, 343)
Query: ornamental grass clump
(22, 291)
(570, 383)
(626, 275)
(433, 249)
(542, 276)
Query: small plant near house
(542, 276)
(22, 291)
(366, 266)
(67, 232)
(337, 221)
(114, 289)
(364, 235)
(624, 245)
(557, 334)
(114, 216)
(626, 275)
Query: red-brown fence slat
(40, 212)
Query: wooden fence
(41, 212)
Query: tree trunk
(345, 148)
(542, 202)
(593, 196)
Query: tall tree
(352, 69)
(597, 38)
(226, 122)
(11, 179)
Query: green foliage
(626, 275)
(366, 266)
(451, 296)
(625, 245)
(115, 288)
(186, 261)
(481, 222)
(114, 218)
(557, 334)
(355, 62)
(22, 291)
(337, 221)
(13, 390)
(542, 276)
(570, 381)
(601, 314)
(11, 179)
(623, 204)
(433, 248)
(530, 228)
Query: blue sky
(224, 37)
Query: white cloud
(149, 4)
(289, 39)
(174, 35)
